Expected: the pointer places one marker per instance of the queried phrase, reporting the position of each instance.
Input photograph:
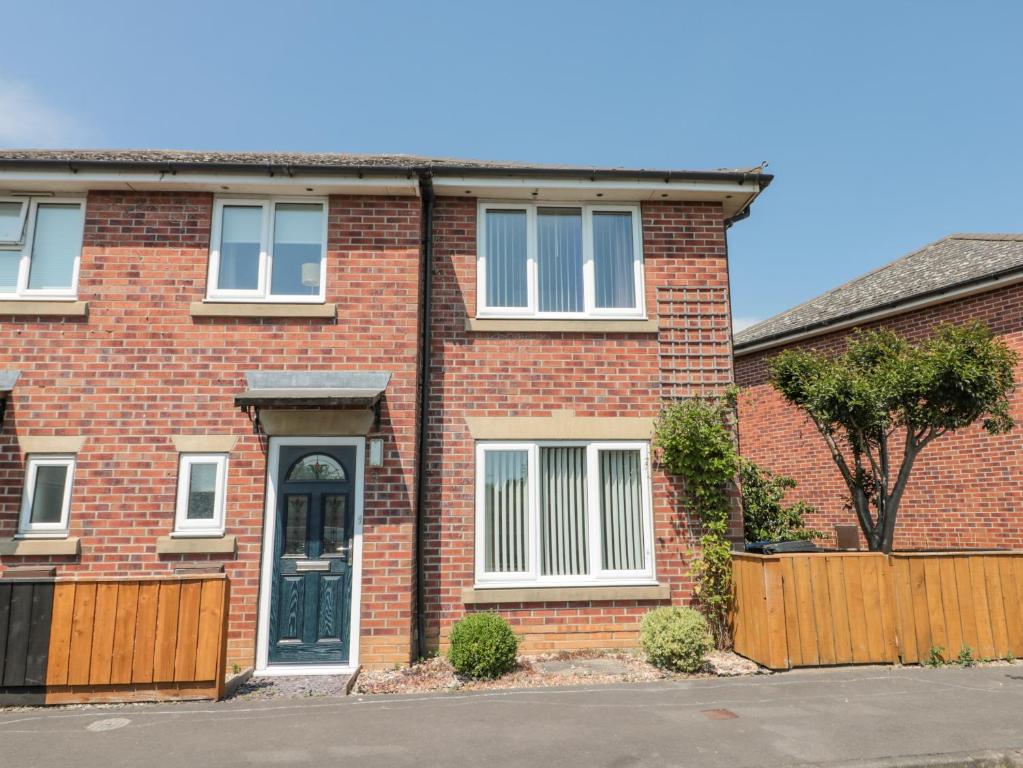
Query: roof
(339, 162)
(955, 263)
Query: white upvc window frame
(26, 528)
(262, 294)
(28, 232)
(597, 575)
(531, 310)
(183, 527)
(16, 245)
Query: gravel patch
(545, 670)
(306, 687)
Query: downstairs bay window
(563, 513)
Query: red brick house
(376, 391)
(967, 488)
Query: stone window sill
(516, 325)
(261, 309)
(220, 545)
(478, 596)
(30, 547)
(25, 308)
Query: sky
(887, 124)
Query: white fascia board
(733, 195)
(882, 314)
(226, 183)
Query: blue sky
(887, 124)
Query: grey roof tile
(955, 261)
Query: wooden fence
(819, 609)
(113, 640)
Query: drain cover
(718, 714)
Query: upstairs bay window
(40, 247)
(268, 250)
(564, 513)
(559, 261)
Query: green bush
(675, 638)
(482, 646)
(765, 515)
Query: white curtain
(563, 511)
(560, 259)
(506, 508)
(621, 510)
(506, 259)
(614, 270)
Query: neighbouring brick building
(966, 489)
(226, 362)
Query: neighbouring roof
(323, 388)
(328, 161)
(956, 262)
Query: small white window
(559, 261)
(202, 482)
(40, 247)
(563, 513)
(268, 250)
(46, 502)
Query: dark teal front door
(311, 601)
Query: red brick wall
(966, 489)
(139, 370)
(594, 374)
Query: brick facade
(966, 489)
(593, 374)
(140, 370)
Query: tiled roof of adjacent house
(956, 262)
(336, 161)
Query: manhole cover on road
(718, 714)
(110, 724)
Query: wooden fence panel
(113, 640)
(830, 608)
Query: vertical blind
(563, 511)
(506, 259)
(240, 242)
(506, 508)
(560, 259)
(621, 510)
(613, 265)
(56, 244)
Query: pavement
(891, 716)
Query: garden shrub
(675, 638)
(483, 646)
(765, 515)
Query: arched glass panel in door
(317, 467)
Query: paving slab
(808, 717)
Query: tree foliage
(883, 393)
(696, 443)
(765, 515)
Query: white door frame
(266, 576)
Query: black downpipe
(425, 340)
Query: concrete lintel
(51, 443)
(316, 423)
(33, 547)
(564, 425)
(221, 545)
(204, 443)
(261, 309)
(508, 325)
(474, 596)
(44, 308)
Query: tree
(883, 392)
(765, 516)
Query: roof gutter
(890, 309)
